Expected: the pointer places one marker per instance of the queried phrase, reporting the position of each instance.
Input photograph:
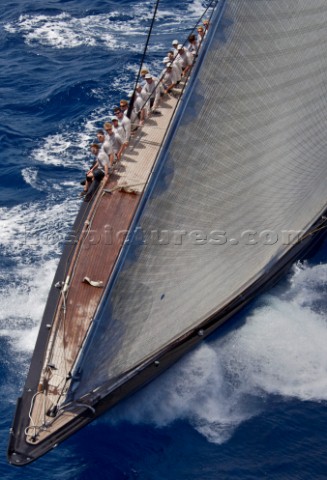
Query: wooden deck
(94, 257)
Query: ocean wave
(30, 176)
(109, 30)
(32, 238)
(36, 231)
(196, 8)
(279, 351)
(62, 31)
(23, 294)
(67, 148)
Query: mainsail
(244, 167)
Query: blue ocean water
(248, 403)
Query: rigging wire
(130, 107)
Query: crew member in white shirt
(185, 58)
(105, 146)
(175, 68)
(169, 79)
(125, 123)
(124, 106)
(152, 90)
(177, 64)
(175, 43)
(138, 113)
(99, 171)
(115, 139)
(193, 45)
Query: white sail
(245, 166)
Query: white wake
(279, 350)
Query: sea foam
(33, 231)
(64, 31)
(32, 237)
(110, 31)
(66, 148)
(61, 31)
(23, 300)
(280, 350)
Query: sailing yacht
(213, 201)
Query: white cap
(148, 76)
(114, 118)
(180, 46)
(175, 42)
(166, 60)
(169, 64)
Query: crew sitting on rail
(125, 124)
(144, 72)
(201, 34)
(175, 43)
(99, 171)
(146, 107)
(152, 90)
(173, 60)
(138, 112)
(169, 79)
(105, 146)
(193, 45)
(206, 25)
(147, 95)
(185, 58)
(124, 107)
(115, 139)
(175, 68)
(117, 128)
